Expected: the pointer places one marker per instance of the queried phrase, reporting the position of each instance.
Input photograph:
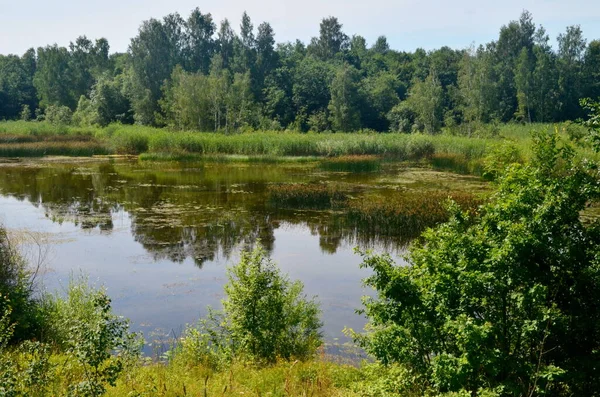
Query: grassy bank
(458, 153)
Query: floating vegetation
(457, 162)
(405, 215)
(306, 195)
(352, 163)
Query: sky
(407, 24)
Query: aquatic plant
(352, 163)
(405, 214)
(306, 195)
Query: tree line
(192, 74)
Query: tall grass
(300, 195)
(355, 163)
(407, 214)
(460, 152)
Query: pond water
(159, 236)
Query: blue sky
(408, 24)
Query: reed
(354, 163)
(406, 214)
(306, 196)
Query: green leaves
(497, 300)
(267, 315)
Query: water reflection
(125, 223)
(197, 211)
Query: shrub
(268, 315)
(504, 302)
(16, 287)
(265, 317)
(58, 115)
(82, 325)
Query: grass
(406, 214)
(312, 378)
(308, 196)
(350, 152)
(352, 163)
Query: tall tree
(244, 47)
(331, 41)
(154, 53)
(54, 78)
(524, 85)
(266, 57)
(344, 106)
(225, 39)
(310, 89)
(591, 70)
(199, 43)
(571, 49)
(545, 79)
(16, 85)
(513, 38)
(426, 100)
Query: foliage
(58, 115)
(18, 307)
(188, 73)
(298, 195)
(593, 122)
(265, 316)
(504, 301)
(268, 315)
(357, 163)
(83, 326)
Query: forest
(192, 74)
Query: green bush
(17, 289)
(82, 325)
(504, 302)
(130, 142)
(265, 317)
(58, 115)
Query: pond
(159, 236)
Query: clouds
(408, 24)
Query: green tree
(187, 103)
(477, 87)
(267, 315)
(545, 79)
(503, 301)
(380, 96)
(16, 84)
(53, 77)
(266, 57)
(88, 61)
(591, 70)
(244, 47)
(225, 39)
(311, 82)
(571, 50)
(524, 85)
(239, 102)
(218, 86)
(199, 45)
(426, 100)
(154, 52)
(344, 107)
(331, 41)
